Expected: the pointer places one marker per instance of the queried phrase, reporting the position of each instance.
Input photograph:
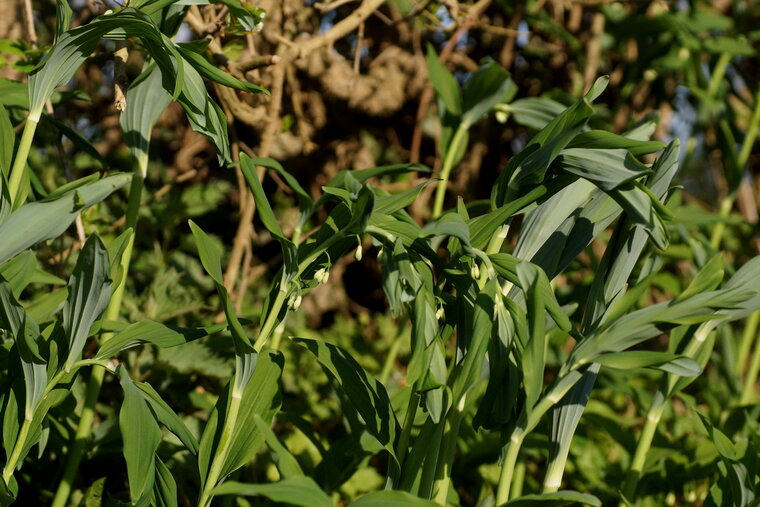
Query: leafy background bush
(352, 86)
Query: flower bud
(322, 275)
(358, 253)
(475, 270)
(294, 301)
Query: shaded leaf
(299, 490)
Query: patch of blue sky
(523, 34)
(327, 21)
(683, 120)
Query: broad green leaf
(607, 169)
(245, 355)
(477, 332)
(390, 498)
(597, 88)
(164, 487)
(722, 443)
(264, 210)
(213, 73)
(42, 220)
(34, 366)
(445, 84)
(725, 44)
(63, 14)
(286, 462)
(673, 363)
(7, 144)
(485, 88)
(166, 416)
(529, 167)
(74, 46)
(205, 115)
(534, 357)
(89, 293)
(601, 139)
(141, 435)
(14, 93)
(557, 499)
(45, 306)
(708, 278)
(450, 224)
(19, 270)
(261, 396)
(161, 335)
(93, 495)
(646, 323)
(27, 337)
(299, 490)
(146, 100)
(366, 394)
(534, 112)
(483, 228)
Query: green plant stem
(556, 470)
(727, 203)
(225, 441)
(84, 428)
(448, 164)
(748, 338)
(19, 163)
(406, 431)
(13, 459)
(511, 451)
(430, 467)
(390, 359)
(643, 446)
(518, 480)
(270, 321)
(448, 449)
(719, 71)
(748, 389)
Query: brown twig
(593, 51)
(330, 6)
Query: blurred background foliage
(349, 95)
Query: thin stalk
(448, 165)
(19, 163)
(643, 446)
(390, 359)
(271, 320)
(448, 449)
(18, 448)
(430, 466)
(84, 428)
(511, 450)
(727, 203)
(553, 479)
(518, 480)
(225, 442)
(748, 338)
(718, 73)
(748, 390)
(406, 431)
